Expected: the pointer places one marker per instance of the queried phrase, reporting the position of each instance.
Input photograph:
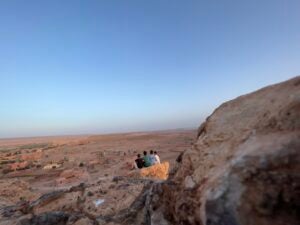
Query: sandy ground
(31, 167)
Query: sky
(105, 66)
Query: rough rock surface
(244, 168)
(72, 176)
(21, 189)
(155, 172)
(19, 165)
(158, 171)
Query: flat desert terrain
(99, 166)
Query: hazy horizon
(93, 67)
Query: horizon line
(96, 134)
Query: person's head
(155, 152)
(145, 152)
(151, 152)
(138, 155)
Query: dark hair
(145, 152)
(151, 152)
(155, 152)
(138, 155)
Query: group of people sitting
(147, 160)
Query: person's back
(157, 158)
(152, 158)
(147, 161)
(139, 162)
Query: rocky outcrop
(244, 168)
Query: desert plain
(88, 174)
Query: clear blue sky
(96, 66)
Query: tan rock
(244, 168)
(51, 166)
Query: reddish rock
(19, 165)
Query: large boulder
(244, 168)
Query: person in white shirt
(157, 159)
(152, 158)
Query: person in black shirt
(139, 162)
